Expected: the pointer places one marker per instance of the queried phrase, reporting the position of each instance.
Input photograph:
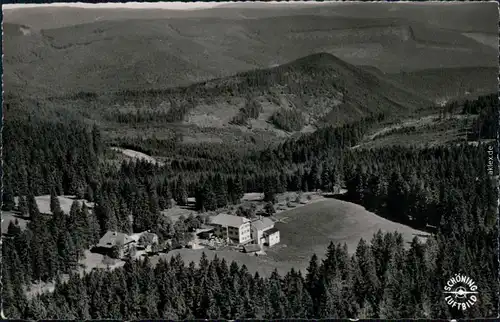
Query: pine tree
(270, 189)
(312, 281)
(220, 191)
(329, 300)
(206, 198)
(8, 199)
(89, 194)
(33, 209)
(55, 205)
(35, 310)
(22, 206)
(13, 229)
(277, 297)
(269, 208)
(96, 140)
(67, 251)
(366, 283)
(391, 306)
(181, 192)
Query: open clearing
(43, 203)
(311, 228)
(136, 155)
(426, 130)
(407, 123)
(306, 230)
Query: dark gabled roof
(112, 238)
(251, 248)
(270, 232)
(205, 230)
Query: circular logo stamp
(461, 292)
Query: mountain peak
(320, 60)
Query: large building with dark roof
(112, 241)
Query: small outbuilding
(251, 248)
(205, 232)
(271, 237)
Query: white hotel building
(235, 228)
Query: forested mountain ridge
(321, 87)
(307, 93)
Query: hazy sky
(167, 5)
(141, 5)
(192, 5)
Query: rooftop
(145, 234)
(228, 220)
(251, 248)
(112, 238)
(135, 237)
(204, 230)
(263, 223)
(270, 232)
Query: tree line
(382, 279)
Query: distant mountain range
(463, 17)
(52, 51)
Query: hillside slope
(276, 102)
(446, 84)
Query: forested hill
(313, 90)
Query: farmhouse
(232, 228)
(115, 244)
(205, 232)
(263, 232)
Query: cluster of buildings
(241, 230)
(252, 234)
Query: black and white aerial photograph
(250, 160)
